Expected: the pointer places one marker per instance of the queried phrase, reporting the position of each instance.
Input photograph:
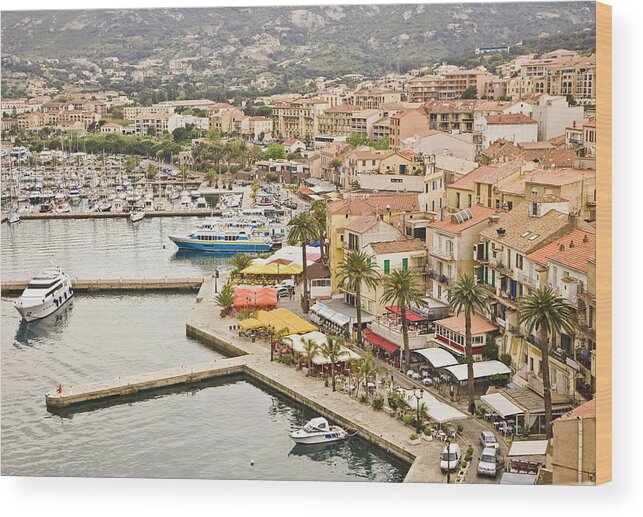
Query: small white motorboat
(136, 215)
(317, 430)
(14, 217)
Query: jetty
(252, 359)
(117, 284)
(195, 212)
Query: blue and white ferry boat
(221, 238)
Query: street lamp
(216, 284)
(448, 460)
(418, 394)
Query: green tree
(311, 350)
(279, 337)
(367, 369)
(548, 313)
(151, 172)
(213, 177)
(254, 189)
(333, 351)
(471, 92)
(465, 297)
(274, 152)
(239, 262)
(318, 212)
(402, 288)
(151, 131)
(303, 230)
(357, 270)
(225, 299)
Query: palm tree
(240, 261)
(318, 212)
(402, 288)
(254, 189)
(302, 232)
(278, 338)
(550, 314)
(356, 270)
(367, 369)
(311, 349)
(332, 350)
(225, 299)
(465, 297)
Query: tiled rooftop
(572, 250)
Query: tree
(491, 350)
(274, 152)
(332, 350)
(550, 314)
(239, 262)
(254, 189)
(151, 131)
(131, 162)
(213, 177)
(279, 338)
(367, 369)
(318, 212)
(311, 350)
(225, 299)
(465, 297)
(302, 232)
(335, 165)
(401, 288)
(356, 270)
(471, 92)
(151, 172)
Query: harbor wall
(117, 284)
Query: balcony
(526, 280)
(444, 254)
(442, 279)
(388, 329)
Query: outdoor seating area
(269, 274)
(275, 320)
(382, 348)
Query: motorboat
(46, 208)
(14, 217)
(318, 430)
(201, 202)
(195, 194)
(62, 208)
(223, 239)
(44, 294)
(136, 215)
(74, 194)
(185, 203)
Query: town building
(554, 114)
(405, 124)
(511, 127)
(433, 142)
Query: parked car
(288, 283)
(488, 464)
(283, 292)
(450, 458)
(488, 439)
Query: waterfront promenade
(116, 284)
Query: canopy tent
(255, 297)
(528, 448)
(500, 405)
(437, 357)
(319, 338)
(435, 409)
(480, 370)
(410, 315)
(379, 341)
(321, 312)
(514, 478)
(250, 324)
(291, 254)
(273, 268)
(278, 319)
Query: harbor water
(226, 429)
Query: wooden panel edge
(604, 243)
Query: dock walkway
(196, 212)
(116, 284)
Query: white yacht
(45, 294)
(14, 217)
(317, 430)
(136, 215)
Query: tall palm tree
(318, 213)
(311, 350)
(356, 270)
(465, 297)
(550, 314)
(225, 299)
(332, 350)
(240, 261)
(402, 288)
(302, 232)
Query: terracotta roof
(560, 177)
(362, 224)
(404, 113)
(501, 147)
(546, 144)
(450, 224)
(364, 204)
(317, 270)
(467, 181)
(512, 118)
(572, 250)
(587, 410)
(258, 118)
(516, 187)
(537, 231)
(399, 246)
(550, 158)
(479, 325)
(500, 172)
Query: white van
(450, 458)
(488, 464)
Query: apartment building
(373, 99)
(338, 120)
(510, 127)
(554, 114)
(299, 118)
(405, 124)
(434, 142)
(450, 243)
(363, 120)
(147, 112)
(580, 136)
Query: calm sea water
(212, 430)
(103, 248)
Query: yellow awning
(250, 323)
(273, 268)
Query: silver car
(488, 439)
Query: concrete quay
(116, 284)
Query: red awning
(306, 191)
(410, 316)
(379, 341)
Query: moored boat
(45, 294)
(136, 215)
(318, 430)
(223, 239)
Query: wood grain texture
(604, 243)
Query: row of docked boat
(45, 294)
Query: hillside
(306, 41)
